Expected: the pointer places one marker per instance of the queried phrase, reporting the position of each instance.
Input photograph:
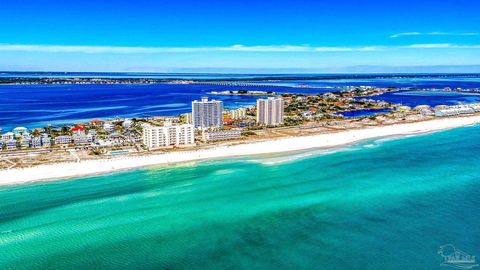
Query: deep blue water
(438, 83)
(40, 105)
(201, 76)
(414, 98)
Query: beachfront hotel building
(207, 114)
(270, 111)
(168, 136)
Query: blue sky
(239, 36)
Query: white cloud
(434, 34)
(430, 46)
(348, 49)
(405, 34)
(273, 48)
(143, 50)
(234, 48)
(441, 46)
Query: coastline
(61, 171)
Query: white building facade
(270, 111)
(36, 142)
(8, 136)
(65, 139)
(221, 135)
(207, 114)
(441, 111)
(239, 113)
(168, 136)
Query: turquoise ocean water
(381, 204)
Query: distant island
(243, 93)
(26, 78)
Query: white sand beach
(90, 167)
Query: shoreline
(63, 171)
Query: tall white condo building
(270, 111)
(168, 136)
(207, 113)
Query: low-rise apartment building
(221, 135)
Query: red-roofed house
(78, 130)
(95, 122)
(227, 121)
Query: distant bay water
(380, 204)
(40, 105)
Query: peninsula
(258, 147)
(276, 123)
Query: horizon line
(306, 72)
(94, 49)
